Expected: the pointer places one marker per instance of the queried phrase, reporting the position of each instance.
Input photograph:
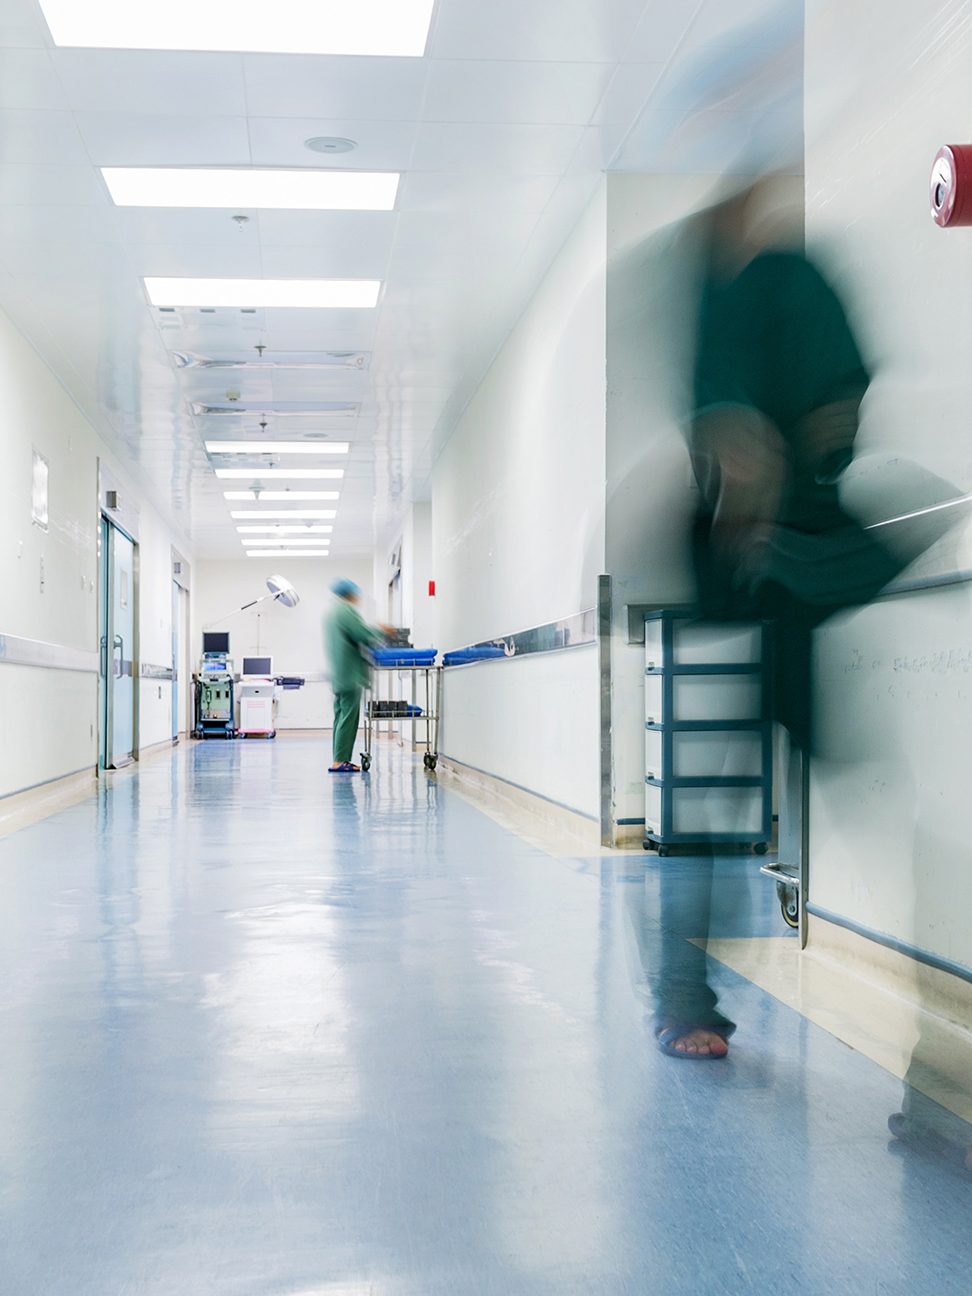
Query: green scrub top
(346, 634)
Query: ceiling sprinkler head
(240, 220)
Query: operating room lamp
(281, 591)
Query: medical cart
(415, 669)
(214, 700)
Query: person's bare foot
(702, 1041)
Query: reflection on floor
(273, 1033)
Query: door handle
(118, 663)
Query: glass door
(118, 668)
(176, 656)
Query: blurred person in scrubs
(347, 636)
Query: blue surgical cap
(345, 589)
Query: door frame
(106, 526)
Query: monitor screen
(257, 665)
(215, 641)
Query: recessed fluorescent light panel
(287, 294)
(278, 447)
(288, 553)
(287, 515)
(277, 360)
(375, 27)
(285, 530)
(317, 541)
(281, 497)
(270, 189)
(239, 409)
(280, 474)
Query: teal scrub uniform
(346, 635)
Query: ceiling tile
(334, 259)
(47, 185)
(135, 139)
(443, 191)
(382, 145)
(383, 89)
(543, 30)
(541, 93)
(22, 25)
(630, 89)
(189, 225)
(27, 80)
(517, 150)
(374, 231)
(146, 81)
(234, 259)
(40, 137)
(662, 28)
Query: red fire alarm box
(431, 589)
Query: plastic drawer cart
(414, 667)
(708, 743)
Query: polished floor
(270, 1033)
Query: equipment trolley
(415, 672)
(708, 741)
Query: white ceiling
(501, 133)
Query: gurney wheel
(662, 850)
(429, 761)
(789, 904)
(366, 763)
(760, 848)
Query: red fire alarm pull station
(951, 186)
(431, 589)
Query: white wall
(547, 739)
(48, 718)
(292, 636)
(518, 492)
(887, 84)
(518, 532)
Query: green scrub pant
(347, 714)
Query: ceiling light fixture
(277, 360)
(317, 541)
(307, 529)
(282, 496)
(281, 474)
(277, 447)
(298, 294)
(284, 409)
(288, 553)
(287, 515)
(368, 27)
(280, 190)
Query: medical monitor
(215, 641)
(257, 666)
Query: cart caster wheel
(429, 761)
(662, 850)
(760, 848)
(789, 899)
(365, 764)
(272, 733)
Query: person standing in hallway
(346, 636)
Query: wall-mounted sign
(39, 492)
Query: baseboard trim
(936, 985)
(30, 805)
(546, 817)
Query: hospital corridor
(486, 551)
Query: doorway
(118, 709)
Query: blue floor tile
(268, 1033)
